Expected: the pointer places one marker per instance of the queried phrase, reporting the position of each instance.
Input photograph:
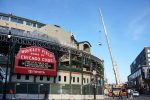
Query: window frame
(18, 76)
(65, 78)
(27, 77)
(59, 78)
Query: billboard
(35, 60)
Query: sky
(127, 22)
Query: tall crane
(114, 64)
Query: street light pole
(94, 91)
(94, 84)
(5, 84)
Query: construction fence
(52, 88)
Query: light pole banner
(35, 60)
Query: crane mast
(114, 64)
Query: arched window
(86, 48)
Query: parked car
(135, 93)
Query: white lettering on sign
(47, 60)
(46, 53)
(30, 58)
(36, 72)
(30, 50)
(30, 71)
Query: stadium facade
(40, 58)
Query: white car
(135, 93)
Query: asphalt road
(141, 97)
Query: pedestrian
(120, 95)
(11, 93)
(46, 95)
(113, 95)
(127, 94)
(131, 94)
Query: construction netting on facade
(36, 88)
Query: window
(20, 21)
(5, 18)
(4, 28)
(73, 79)
(139, 65)
(39, 26)
(83, 80)
(148, 63)
(64, 78)
(27, 77)
(28, 32)
(48, 78)
(28, 23)
(134, 62)
(78, 79)
(18, 76)
(34, 24)
(87, 80)
(148, 50)
(14, 20)
(41, 77)
(17, 31)
(59, 78)
(0, 17)
(148, 55)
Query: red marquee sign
(35, 60)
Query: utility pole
(114, 64)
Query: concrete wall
(56, 97)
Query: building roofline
(85, 42)
(14, 16)
(138, 54)
(147, 47)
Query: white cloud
(140, 25)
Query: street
(141, 97)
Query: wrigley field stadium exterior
(40, 61)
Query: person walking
(120, 95)
(46, 95)
(127, 94)
(131, 94)
(11, 94)
(113, 95)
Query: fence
(53, 88)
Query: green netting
(55, 89)
(76, 89)
(33, 89)
(36, 88)
(86, 89)
(66, 89)
(44, 88)
(21, 88)
(99, 90)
